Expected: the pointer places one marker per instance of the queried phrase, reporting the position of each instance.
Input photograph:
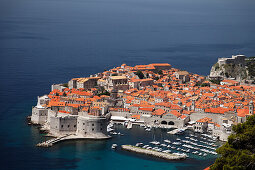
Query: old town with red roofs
(155, 94)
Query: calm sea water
(50, 41)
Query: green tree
(140, 74)
(147, 75)
(215, 81)
(160, 72)
(104, 93)
(204, 85)
(239, 151)
(216, 66)
(156, 78)
(65, 84)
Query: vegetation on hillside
(140, 74)
(104, 93)
(239, 151)
(65, 85)
(114, 74)
(215, 81)
(160, 72)
(250, 63)
(234, 71)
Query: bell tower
(251, 108)
(193, 105)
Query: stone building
(85, 83)
(183, 76)
(161, 66)
(92, 127)
(140, 83)
(117, 83)
(63, 124)
(235, 59)
(40, 112)
(201, 125)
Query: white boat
(145, 146)
(114, 146)
(167, 141)
(166, 151)
(109, 129)
(155, 142)
(138, 144)
(177, 143)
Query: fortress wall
(63, 125)
(92, 127)
(39, 115)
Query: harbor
(187, 144)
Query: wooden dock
(167, 156)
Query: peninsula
(153, 95)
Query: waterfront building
(235, 59)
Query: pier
(50, 142)
(177, 131)
(167, 156)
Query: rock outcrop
(233, 68)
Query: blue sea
(51, 41)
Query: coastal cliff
(239, 69)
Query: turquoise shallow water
(51, 41)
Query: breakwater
(157, 154)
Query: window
(101, 129)
(92, 129)
(92, 124)
(74, 125)
(83, 123)
(68, 125)
(62, 126)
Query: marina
(190, 144)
